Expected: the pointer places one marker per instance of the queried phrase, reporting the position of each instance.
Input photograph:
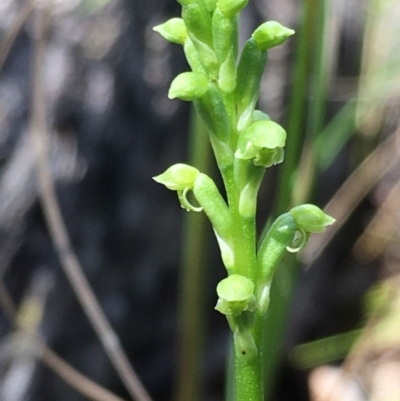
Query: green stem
(249, 380)
(241, 248)
(248, 372)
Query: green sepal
(311, 218)
(249, 73)
(227, 253)
(207, 58)
(222, 150)
(198, 22)
(271, 34)
(231, 7)
(178, 177)
(188, 86)
(263, 142)
(236, 295)
(227, 74)
(248, 195)
(173, 30)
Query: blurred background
(85, 123)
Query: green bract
(262, 141)
(271, 34)
(174, 30)
(249, 73)
(236, 295)
(225, 35)
(192, 57)
(311, 218)
(178, 177)
(227, 74)
(246, 348)
(188, 86)
(231, 7)
(206, 56)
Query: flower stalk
(245, 142)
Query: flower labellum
(262, 141)
(236, 295)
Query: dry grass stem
(58, 231)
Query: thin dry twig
(75, 379)
(70, 375)
(14, 30)
(351, 193)
(59, 234)
(380, 229)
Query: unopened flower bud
(174, 30)
(311, 218)
(188, 86)
(178, 177)
(271, 34)
(231, 7)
